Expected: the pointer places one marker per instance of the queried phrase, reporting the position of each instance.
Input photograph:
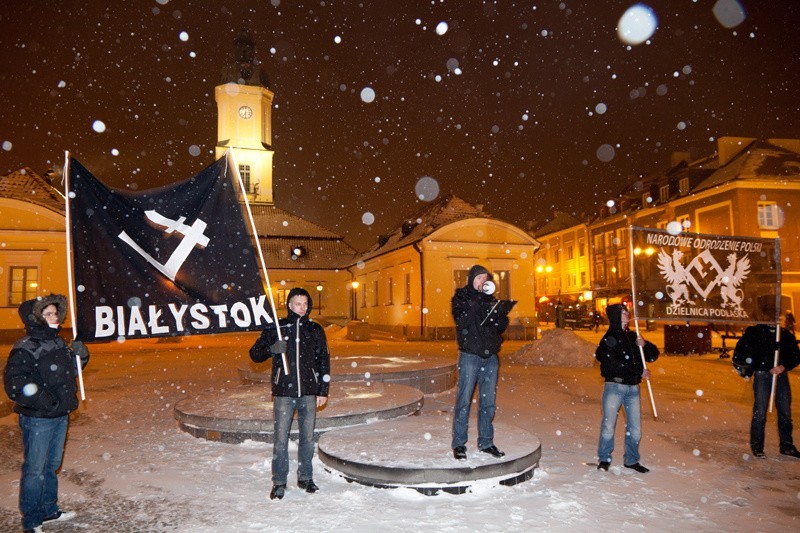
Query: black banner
(177, 260)
(707, 278)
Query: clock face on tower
(245, 112)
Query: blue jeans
(616, 395)
(284, 408)
(762, 385)
(474, 370)
(43, 448)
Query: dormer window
(663, 194)
(683, 186)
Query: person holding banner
(754, 356)
(302, 390)
(622, 368)
(40, 378)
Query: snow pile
(557, 347)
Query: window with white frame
(244, 172)
(683, 185)
(768, 215)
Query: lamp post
(319, 291)
(354, 304)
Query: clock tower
(244, 119)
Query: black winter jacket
(470, 307)
(755, 351)
(41, 369)
(306, 353)
(619, 356)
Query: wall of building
(30, 236)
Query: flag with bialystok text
(176, 260)
(708, 278)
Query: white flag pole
(777, 323)
(636, 319)
(231, 157)
(70, 282)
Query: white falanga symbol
(192, 236)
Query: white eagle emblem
(676, 275)
(731, 278)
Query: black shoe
(791, 452)
(60, 516)
(37, 529)
(760, 454)
(603, 465)
(308, 485)
(277, 492)
(460, 453)
(492, 450)
(639, 468)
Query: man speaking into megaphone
(480, 321)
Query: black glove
(743, 370)
(278, 347)
(81, 351)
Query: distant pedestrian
(40, 379)
(596, 319)
(754, 356)
(622, 368)
(302, 390)
(479, 330)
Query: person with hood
(622, 368)
(478, 331)
(754, 355)
(303, 389)
(39, 378)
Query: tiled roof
(561, 221)
(772, 159)
(445, 211)
(272, 221)
(27, 186)
(316, 253)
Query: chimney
(730, 147)
(679, 157)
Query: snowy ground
(127, 467)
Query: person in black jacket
(478, 330)
(754, 355)
(622, 368)
(39, 378)
(303, 389)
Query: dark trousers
(762, 384)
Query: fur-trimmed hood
(30, 312)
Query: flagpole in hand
(775, 364)
(70, 283)
(232, 163)
(636, 319)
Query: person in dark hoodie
(303, 389)
(622, 368)
(479, 339)
(39, 378)
(754, 356)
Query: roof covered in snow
(27, 186)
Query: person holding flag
(754, 356)
(40, 379)
(303, 389)
(622, 368)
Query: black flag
(177, 260)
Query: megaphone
(488, 287)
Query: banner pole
(636, 319)
(231, 158)
(775, 376)
(777, 323)
(70, 281)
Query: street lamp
(319, 290)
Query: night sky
(524, 107)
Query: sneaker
(639, 468)
(791, 452)
(308, 485)
(603, 465)
(492, 450)
(460, 453)
(60, 516)
(760, 454)
(277, 492)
